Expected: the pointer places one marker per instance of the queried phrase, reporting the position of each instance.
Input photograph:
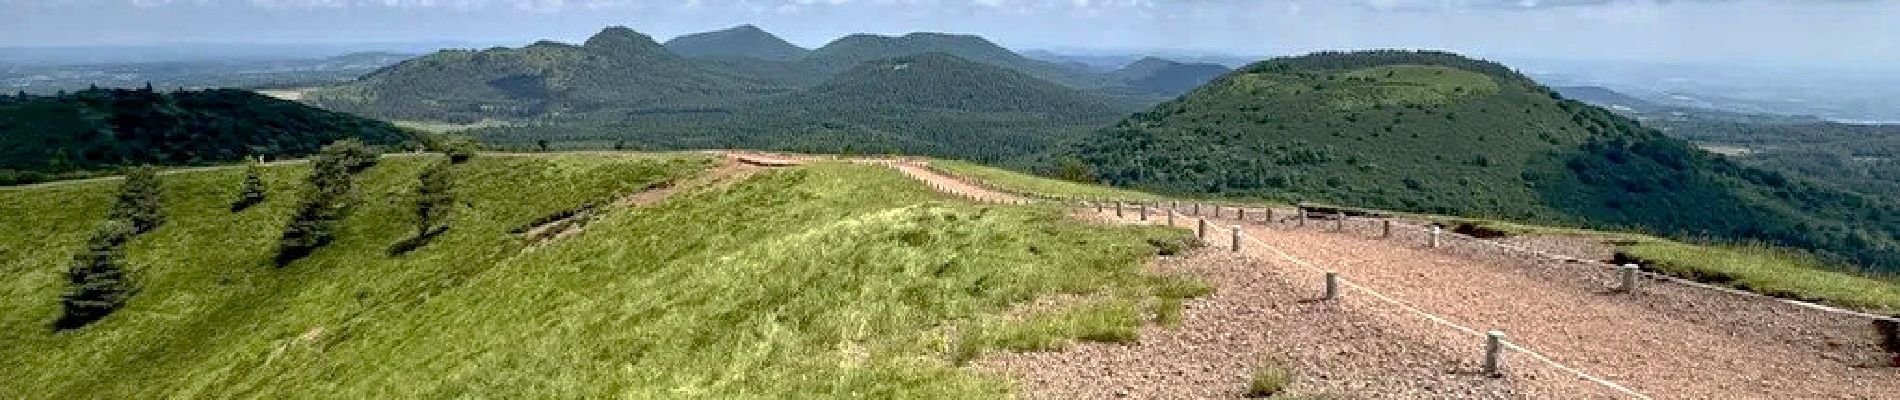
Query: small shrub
(1269, 381)
(252, 191)
(352, 154)
(460, 149)
(1479, 231)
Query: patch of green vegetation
(1269, 381)
(1017, 182)
(1112, 321)
(1769, 270)
(828, 280)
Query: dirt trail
(948, 184)
(1666, 341)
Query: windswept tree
(252, 191)
(97, 281)
(325, 199)
(139, 201)
(434, 200)
(460, 149)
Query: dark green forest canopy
(1437, 132)
(41, 136)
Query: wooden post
(1387, 230)
(1627, 276)
(1201, 232)
(1339, 221)
(1494, 353)
(1332, 285)
(1170, 213)
(1242, 212)
(1118, 209)
(1269, 215)
(1302, 215)
(1436, 230)
(1216, 211)
(1236, 237)
(1144, 211)
(1197, 209)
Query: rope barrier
(1445, 321)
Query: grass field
(1769, 270)
(830, 280)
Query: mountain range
(622, 69)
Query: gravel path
(1264, 315)
(1665, 341)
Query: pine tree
(139, 200)
(325, 199)
(98, 285)
(252, 191)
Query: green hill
(43, 137)
(847, 52)
(1166, 78)
(1436, 132)
(745, 41)
(829, 280)
(617, 68)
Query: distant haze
(1804, 32)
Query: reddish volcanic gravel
(1665, 341)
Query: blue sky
(1762, 32)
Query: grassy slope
(831, 280)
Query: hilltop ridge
(739, 41)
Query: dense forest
(68, 134)
(1436, 132)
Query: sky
(1757, 32)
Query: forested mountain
(740, 41)
(45, 136)
(931, 104)
(1167, 78)
(849, 51)
(615, 68)
(1436, 132)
